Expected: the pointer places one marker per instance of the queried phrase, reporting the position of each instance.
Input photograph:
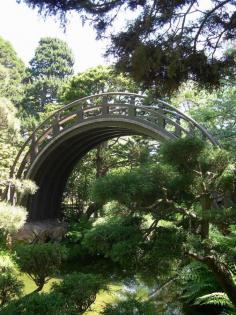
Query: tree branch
(208, 14)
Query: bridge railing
(157, 114)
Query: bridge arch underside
(55, 162)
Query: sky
(23, 28)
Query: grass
(103, 297)
(30, 286)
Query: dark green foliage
(79, 290)
(140, 189)
(183, 155)
(125, 240)
(127, 188)
(119, 238)
(76, 197)
(39, 304)
(225, 244)
(41, 261)
(10, 287)
(72, 296)
(164, 42)
(76, 228)
(35, 304)
(112, 156)
(189, 196)
(130, 188)
(129, 307)
(218, 299)
(163, 254)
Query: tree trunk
(4, 298)
(92, 208)
(40, 286)
(101, 167)
(205, 224)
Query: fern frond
(216, 298)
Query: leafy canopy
(191, 203)
(162, 43)
(97, 80)
(75, 293)
(41, 261)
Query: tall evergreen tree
(49, 69)
(52, 58)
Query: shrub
(10, 286)
(41, 261)
(34, 304)
(80, 290)
(130, 306)
(12, 218)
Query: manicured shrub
(41, 261)
(80, 290)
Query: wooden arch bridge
(50, 153)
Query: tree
(9, 128)
(165, 43)
(117, 238)
(100, 79)
(79, 290)
(8, 116)
(10, 285)
(72, 296)
(51, 65)
(10, 141)
(12, 72)
(41, 261)
(41, 92)
(52, 58)
(215, 110)
(195, 196)
(129, 307)
(35, 304)
(113, 156)
(12, 218)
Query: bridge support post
(56, 126)
(34, 148)
(105, 106)
(161, 120)
(177, 128)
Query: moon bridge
(51, 151)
